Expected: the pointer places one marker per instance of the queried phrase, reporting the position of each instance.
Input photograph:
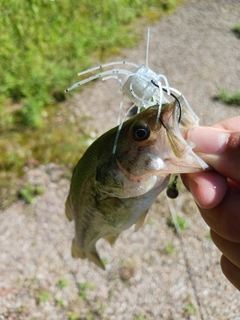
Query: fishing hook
(175, 97)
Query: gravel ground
(146, 275)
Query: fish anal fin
(140, 221)
(112, 238)
(93, 256)
(68, 211)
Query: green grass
(84, 289)
(73, 316)
(45, 43)
(150, 221)
(60, 302)
(62, 283)
(59, 140)
(229, 98)
(169, 249)
(29, 191)
(43, 46)
(43, 297)
(140, 316)
(236, 30)
(190, 308)
(182, 223)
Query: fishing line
(185, 258)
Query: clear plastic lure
(142, 86)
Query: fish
(110, 192)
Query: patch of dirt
(146, 276)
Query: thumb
(219, 148)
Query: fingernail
(208, 140)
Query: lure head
(139, 87)
(149, 150)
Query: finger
(224, 219)
(230, 249)
(232, 124)
(207, 188)
(219, 148)
(231, 272)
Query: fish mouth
(177, 118)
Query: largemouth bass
(110, 192)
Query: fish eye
(141, 132)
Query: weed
(190, 308)
(140, 316)
(229, 98)
(236, 30)
(43, 297)
(111, 295)
(151, 222)
(59, 140)
(84, 289)
(62, 283)
(60, 302)
(90, 315)
(29, 192)
(181, 222)
(73, 316)
(208, 236)
(105, 261)
(169, 249)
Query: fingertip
(207, 188)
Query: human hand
(217, 193)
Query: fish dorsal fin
(140, 221)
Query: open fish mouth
(149, 150)
(159, 144)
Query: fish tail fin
(112, 238)
(68, 211)
(77, 252)
(93, 256)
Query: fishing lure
(142, 86)
(135, 84)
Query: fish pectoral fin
(140, 221)
(112, 238)
(68, 211)
(93, 256)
